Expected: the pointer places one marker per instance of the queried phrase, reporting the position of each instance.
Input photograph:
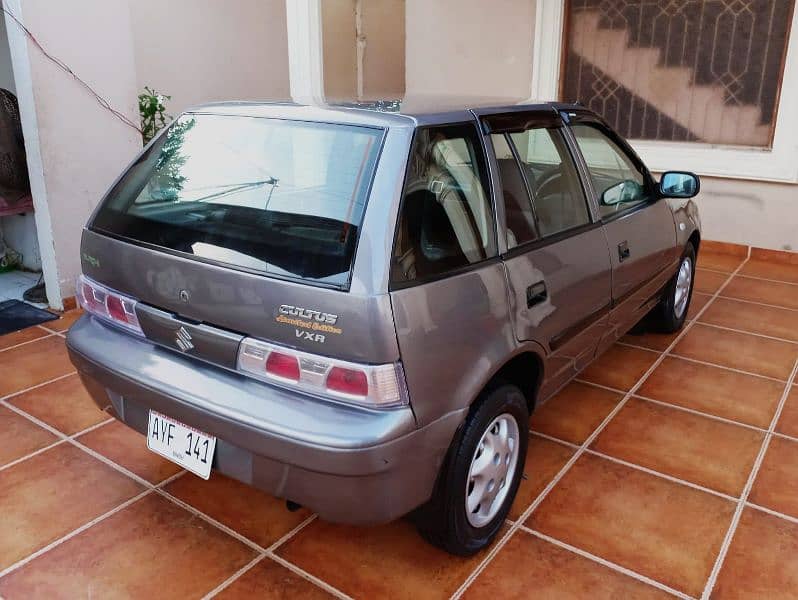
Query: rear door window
(446, 220)
(280, 197)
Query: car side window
(618, 182)
(557, 200)
(518, 214)
(446, 219)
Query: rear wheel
(481, 475)
(671, 313)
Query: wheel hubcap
(683, 281)
(492, 469)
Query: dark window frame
(588, 119)
(545, 240)
(492, 252)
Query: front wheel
(481, 475)
(671, 313)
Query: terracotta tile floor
(669, 468)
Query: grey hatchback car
(356, 308)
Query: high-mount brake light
(372, 386)
(108, 305)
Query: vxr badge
(183, 339)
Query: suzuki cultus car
(357, 309)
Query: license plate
(184, 445)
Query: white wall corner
(547, 50)
(305, 50)
(20, 62)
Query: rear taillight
(108, 304)
(348, 381)
(374, 386)
(283, 366)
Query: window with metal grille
(679, 70)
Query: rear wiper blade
(232, 188)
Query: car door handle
(536, 293)
(623, 251)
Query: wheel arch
(523, 370)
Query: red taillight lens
(88, 297)
(115, 308)
(283, 365)
(348, 381)
(373, 386)
(108, 304)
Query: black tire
(443, 520)
(665, 317)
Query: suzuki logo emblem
(183, 340)
(183, 295)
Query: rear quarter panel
(453, 335)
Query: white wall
(6, 73)
(470, 47)
(381, 66)
(208, 50)
(75, 147)
(19, 231)
(753, 213)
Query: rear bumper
(349, 465)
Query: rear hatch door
(231, 225)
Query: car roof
(411, 110)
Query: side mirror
(623, 191)
(679, 184)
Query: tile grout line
(785, 436)
(713, 576)
(21, 459)
(697, 361)
(55, 543)
(50, 446)
(663, 475)
(157, 488)
(226, 583)
(214, 522)
(25, 343)
(607, 563)
(551, 438)
(771, 512)
(263, 552)
(37, 386)
(269, 554)
(149, 489)
(755, 303)
(768, 279)
(310, 577)
(700, 413)
(744, 332)
(565, 468)
(637, 467)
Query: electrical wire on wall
(64, 67)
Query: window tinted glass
(518, 214)
(610, 167)
(559, 202)
(276, 196)
(446, 219)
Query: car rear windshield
(275, 196)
